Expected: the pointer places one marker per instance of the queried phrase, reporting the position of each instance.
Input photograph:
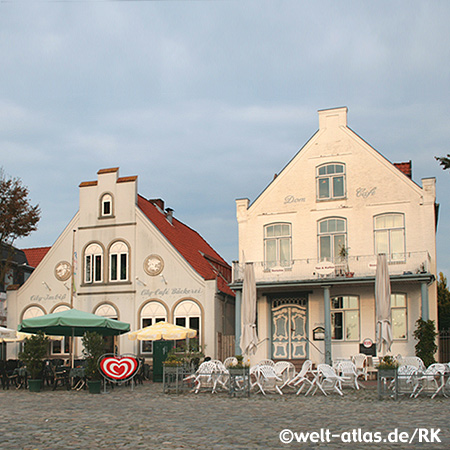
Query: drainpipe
(425, 304)
(327, 322)
(237, 323)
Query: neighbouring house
(15, 268)
(313, 236)
(128, 257)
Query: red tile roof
(35, 255)
(194, 249)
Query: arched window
(93, 263)
(277, 245)
(63, 346)
(330, 181)
(33, 311)
(151, 313)
(118, 262)
(188, 314)
(389, 230)
(106, 206)
(332, 238)
(110, 312)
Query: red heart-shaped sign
(119, 367)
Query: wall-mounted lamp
(140, 281)
(67, 287)
(46, 285)
(162, 276)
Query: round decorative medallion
(63, 271)
(153, 265)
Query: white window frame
(400, 308)
(392, 257)
(330, 176)
(151, 313)
(106, 198)
(119, 253)
(278, 262)
(334, 253)
(188, 309)
(344, 311)
(93, 263)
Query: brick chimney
(405, 167)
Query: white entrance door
(289, 332)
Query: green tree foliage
(444, 161)
(443, 303)
(34, 352)
(18, 218)
(94, 347)
(425, 334)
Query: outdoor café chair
(326, 379)
(431, 380)
(406, 380)
(205, 376)
(266, 362)
(347, 371)
(266, 378)
(301, 379)
(411, 361)
(360, 362)
(230, 361)
(285, 370)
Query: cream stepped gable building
(133, 261)
(313, 235)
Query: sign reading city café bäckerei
(119, 368)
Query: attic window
(106, 206)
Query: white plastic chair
(431, 380)
(285, 370)
(327, 379)
(266, 378)
(230, 361)
(347, 371)
(407, 380)
(411, 361)
(206, 376)
(360, 362)
(266, 362)
(301, 379)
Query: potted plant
(33, 355)
(343, 256)
(93, 349)
(387, 376)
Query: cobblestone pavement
(146, 418)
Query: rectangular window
(98, 268)
(399, 316)
(88, 274)
(389, 230)
(277, 245)
(113, 267)
(123, 266)
(345, 318)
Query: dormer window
(331, 181)
(106, 206)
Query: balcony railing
(353, 266)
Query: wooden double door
(289, 331)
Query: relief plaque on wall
(63, 271)
(153, 265)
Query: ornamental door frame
(288, 314)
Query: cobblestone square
(146, 418)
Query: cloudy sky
(206, 100)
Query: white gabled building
(134, 261)
(337, 201)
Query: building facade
(134, 261)
(313, 236)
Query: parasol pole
(72, 286)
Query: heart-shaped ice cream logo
(119, 368)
